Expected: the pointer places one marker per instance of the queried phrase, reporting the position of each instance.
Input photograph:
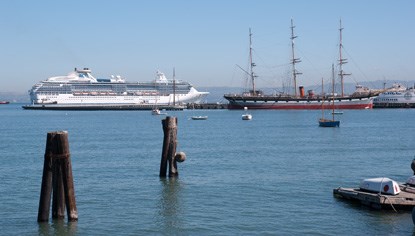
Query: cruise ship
(79, 89)
(397, 96)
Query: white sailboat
(246, 116)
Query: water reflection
(58, 227)
(170, 208)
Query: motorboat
(246, 116)
(155, 112)
(199, 117)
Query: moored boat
(4, 102)
(246, 116)
(199, 117)
(397, 96)
(157, 112)
(362, 98)
(328, 122)
(80, 89)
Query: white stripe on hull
(90, 99)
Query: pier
(405, 200)
(114, 107)
(207, 106)
(97, 107)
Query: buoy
(180, 157)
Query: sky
(205, 41)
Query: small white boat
(380, 185)
(155, 112)
(199, 117)
(246, 116)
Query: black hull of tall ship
(289, 103)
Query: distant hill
(15, 97)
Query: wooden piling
(169, 156)
(69, 188)
(58, 196)
(57, 176)
(46, 189)
(169, 143)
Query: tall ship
(79, 89)
(362, 98)
(397, 96)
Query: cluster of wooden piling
(208, 106)
(57, 179)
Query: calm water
(272, 175)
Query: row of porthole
(386, 99)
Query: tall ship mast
(341, 60)
(294, 60)
(255, 99)
(251, 65)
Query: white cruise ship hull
(191, 97)
(397, 97)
